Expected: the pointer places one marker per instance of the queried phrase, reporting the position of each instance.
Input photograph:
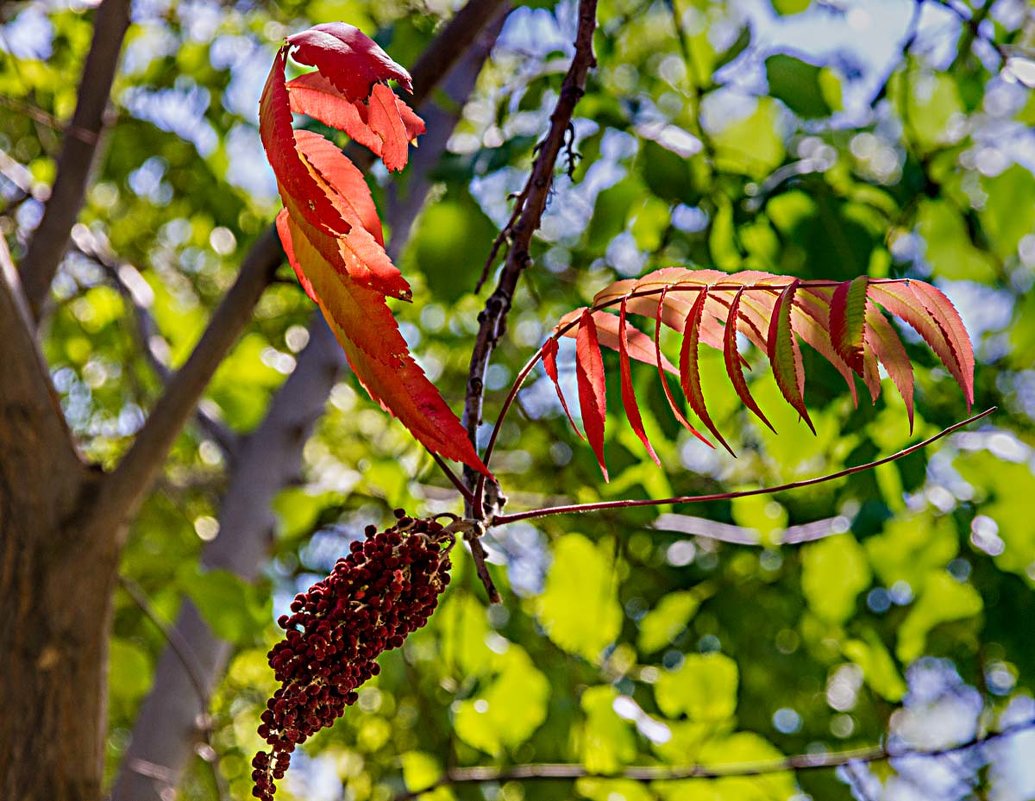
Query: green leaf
(578, 608)
(237, 610)
(704, 688)
(129, 670)
(805, 88)
(944, 599)
(664, 623)
(509, 710)
(667, 174)
(911, 547)
(833, 572)
(420, 770)
(949, 249)
(1008, 214)
(788, 7)
(878, 667)
(607, 739)
(752, 145)
(465, 627)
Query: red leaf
(349, 190)
(377, 352)
(810, 320)
(847, 312)
(550, 365)
(880, 336)
(386, 121)
(689, 369)
(733, 366)
(313, 95)
(349, 59)
(632, 408)
(902, 301)
(589, 370)
(658, 357)
(948, 319)
(278, 139)
(640, 346)
(785, 355)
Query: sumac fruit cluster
(385, 588)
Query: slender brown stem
(525, 221)
(661, 773)
(625, 503)
(454, 479)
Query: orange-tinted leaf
(589, 371)
(632, 408)
(733, 366)
(347, 57)
(847, 312)
(349, 190)
(902, 301)
(689, 369)
(785, 355)
(384, 120)
(639, 345)
(278, 140)
(948, 319)
(377, 352)
(550, 365)
(810, 321)
(313, 95)
(881, 337)
(658, 356)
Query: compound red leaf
(659, 361)
(881, 338)
(847, 312)
(589, 371)
(632, 408)
(376, 350)
(639, 345)
(347, 57)
(734, 368)
(689, 368)
(550, 348)
(785, 354)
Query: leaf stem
(503, 519)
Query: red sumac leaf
(664, 382)
(689, 369)
(734, 368)
(948, 319)
(632, 408)
(347, 57)
(589, 371)
(880, 336)
(785, 355)
(847, 312)
(550, 366)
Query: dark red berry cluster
(384, 589)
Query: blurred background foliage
(823, 139)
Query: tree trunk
(55, 581)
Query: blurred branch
(972, 28)
(78, 152)
(129, 283)
(661, 773)
(527, 216)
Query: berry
(384, 589)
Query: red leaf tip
(350, 59)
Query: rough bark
(167, 727)
(55, 581)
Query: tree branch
(661, 773)
(526, 220)
(626, 503)
(78, 153)
(128, 484)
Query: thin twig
(78, 153)
(625, 503)
(531, 204)
(529, 210)
(190, 665)
(663, 773)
